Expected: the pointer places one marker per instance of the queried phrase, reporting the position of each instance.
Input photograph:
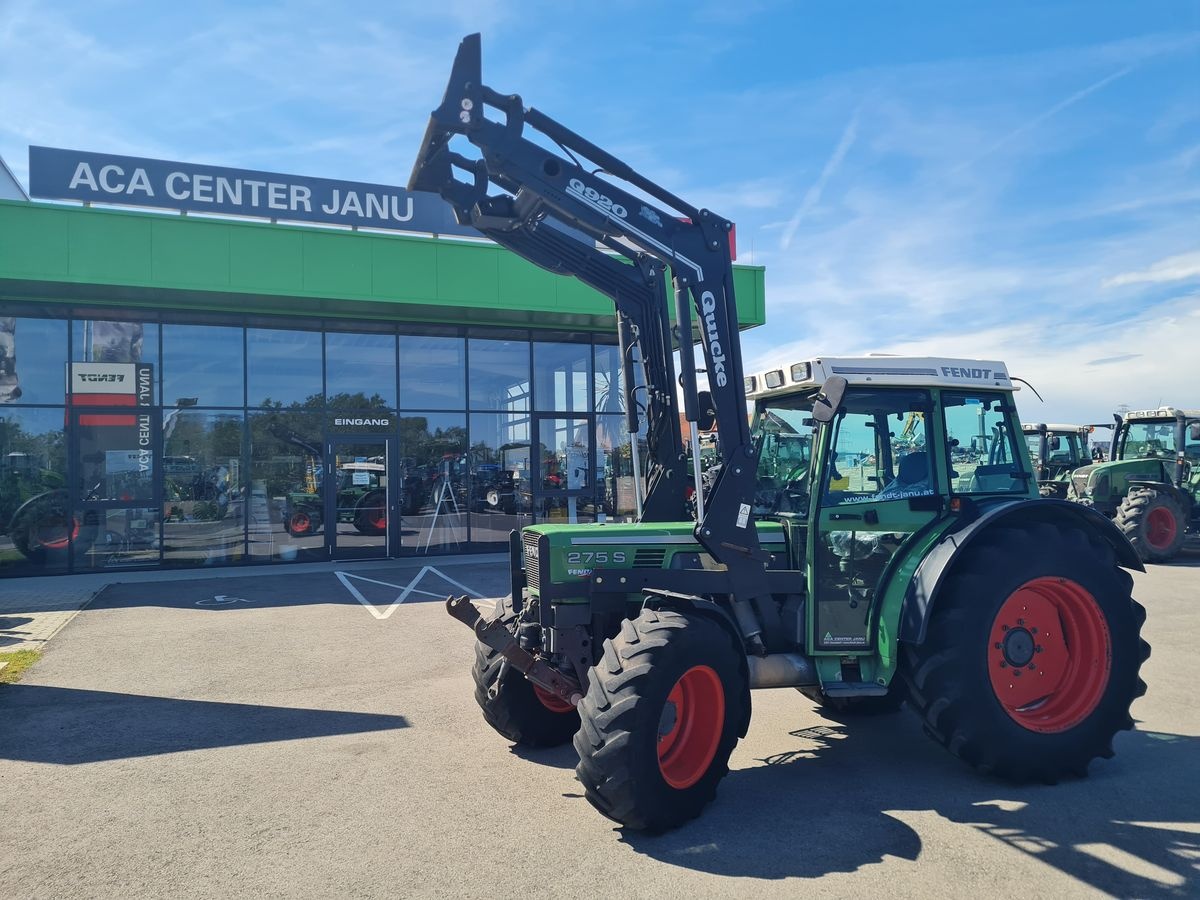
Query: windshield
(1147, 440)
(783, 432)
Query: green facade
(101, 256)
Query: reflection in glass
(202, 366)
(102, 340)
(432, 372)
(360, 484)
(562, 376)
(286, 471)
(607, 379)
(500, 475)
(360, 371)
(499, 374)
(563, 448)
(614, 467)
(112, 538)
(203, 494)
(35, 524)
(283, 367)
(33, 355)
(116, 456)
(433, 451)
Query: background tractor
(1057, 451)
(1151, 484)
(873, 536)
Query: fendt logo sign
(56, 174)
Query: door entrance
(563, 488)
(359, 500)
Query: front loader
(873, 536)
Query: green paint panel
(467, 276)
(37, 243)
(341, 267)
(120, 256)
(267, 259)
(201, 254)
(101, 245)
(404, 270)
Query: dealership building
(259, 368)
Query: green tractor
(874, 535)
(1151, 484)
(1057, 451)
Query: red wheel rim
(1049, 655)
(377, 517)
(690, 726)
(301, 522)
(57, 534)
(552, 702)
(1160, 528)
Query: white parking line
(406, 590)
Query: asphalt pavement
(314, 735)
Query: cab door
(877, 487)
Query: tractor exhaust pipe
(779, 670)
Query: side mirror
(1194, 431)
(829, 400)
(706, 412)
(1054, 442)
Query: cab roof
(887, 371)
(1032, 428)
(1163, 412)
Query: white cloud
(1173, 268)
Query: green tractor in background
(34, 509)
(1151, 484)
(1057, 451)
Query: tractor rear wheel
(370, 517)
(302, 522)
(1153, 522)
(1031, 660)
(513, 705)
(664, 709)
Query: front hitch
(493, 633)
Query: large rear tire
(664, 709)
(512, 705)
(370, 517)
(1153, 523)
(1031, 660)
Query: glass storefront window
(562, 376)
(202, 366)
(499, 374)
(433, 451)
(33, 355)
(563, 448)
(614, 467)
(500, 473)
(286, 474)
(360, 371)
(35, 525)
(111, 538)
(108, 341)
(204, 501)
(283, 368)
(432, 372)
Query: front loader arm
(539, 184)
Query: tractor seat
(913, 468)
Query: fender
(927, 580)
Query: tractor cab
(909, 440)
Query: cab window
(983, 449)
(879, 449)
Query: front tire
(511, 703)
(664, 709)
(1153, 523)
(1031, 660)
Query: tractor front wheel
(1031, 660)
(664, 709)
(1154, 524)
(513, 705)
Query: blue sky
(1015, 180)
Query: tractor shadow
(834, 797)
